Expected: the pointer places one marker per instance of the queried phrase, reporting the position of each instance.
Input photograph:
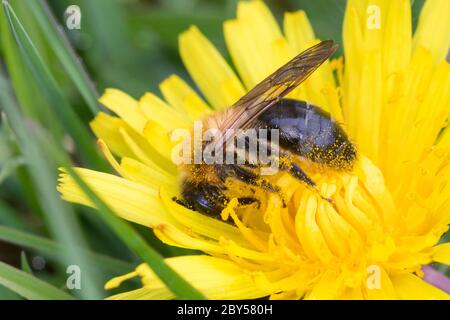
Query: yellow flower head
(387, 215)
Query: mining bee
(305, 132)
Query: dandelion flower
(391, 95)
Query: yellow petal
(159, 138)
(430, 122)
(182, 97)
(300, 36)
(124, 106)
(255, 42)
(157, 110)
(265, 34)
(411, 287)
(261, 19)
(441, 253)
(131, 201)
(107, 127)
(184, 238)
(143, 294)
(370, 102)
(397, 36)
(298, 30)
(308, 232)
(243, 53)
(402, 109)
(352, 39)
(117, 281)
(126, 142)
(378, 289)
(339, 235)
(209, 70)
(433, 29)
(215, 277)
(360, 7)
(145, 152)
(328, 287)
(352, 294)
(110, 158)
(151, 176)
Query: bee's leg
(298, 173)
(295, 171)
(182, 202)
(245, 201)
(241, 173)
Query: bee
(304, 132)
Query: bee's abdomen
(310, 132)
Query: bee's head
(203, 197)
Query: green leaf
(50, 88)
(32, 101)
(6, 294)
(7, 141)
(59, 216)
(107, 23)
(9, 167)
(24, 263)
(9, 160)
(168, 24)
(29, 286)
(9, 217)
(51, 249)
(65, 53)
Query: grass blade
(65, 53)
(9, 167)
(28, 93)
(10, 218)
(29, 286)
(6, 294)
(24, 265)
(50, 88)
(59, 216)
(50, 248)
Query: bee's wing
(274, 87)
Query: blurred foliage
(144, 49)
(128, 44)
